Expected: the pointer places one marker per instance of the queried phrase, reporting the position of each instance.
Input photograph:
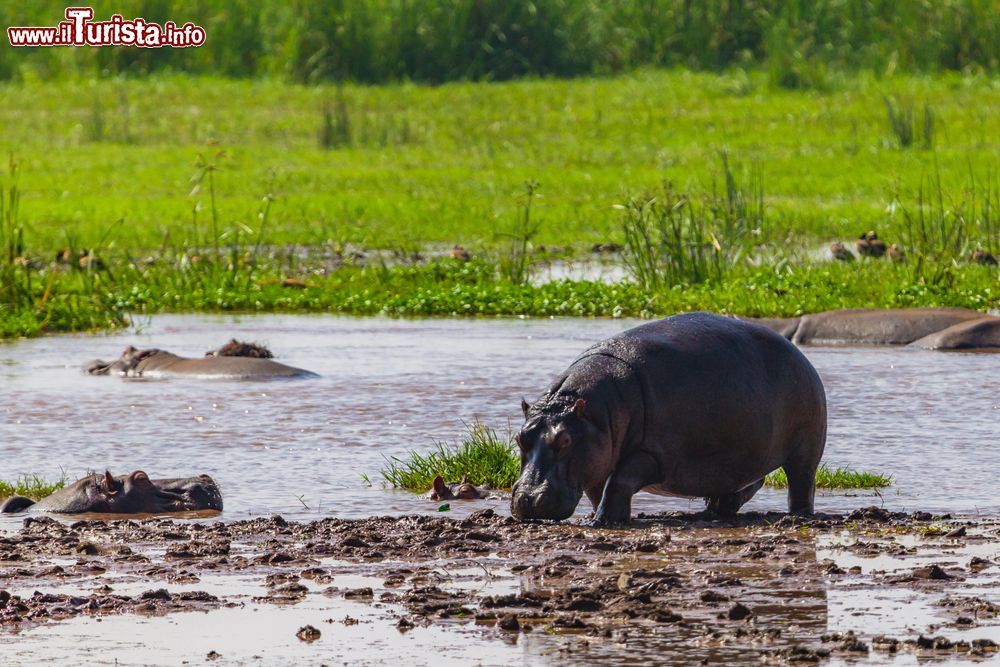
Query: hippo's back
(245, 368)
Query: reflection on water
(390, 386)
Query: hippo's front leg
(632, 474)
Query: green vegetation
(834, 478)
(799, 43)
(175, 193)
(482, 458)
(32, 486)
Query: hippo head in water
(563, 455)
(127, 362)
(135, 493)
(456, 490)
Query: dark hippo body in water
(694, 405)
(160, 363)
(135, 493)
(878, 326)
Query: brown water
(387, 386)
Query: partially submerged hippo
(981, 334)
(694, 405)
(126, 494)
(160, 363)
(877, 326)
(463, 490)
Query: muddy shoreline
(755, 588)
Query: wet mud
(871, 585)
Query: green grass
(485, 458)
(482, 457)
(834, 478)
(31, 486)
(203, 194)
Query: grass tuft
(482, 457)
(834, 478)
(32, 486)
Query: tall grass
(940, 227)
(515, 260)
(904, 128)
(372, 41)
(675, 238)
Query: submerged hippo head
(127, 362)
(563, 454)
(455, 490)
(135, 493)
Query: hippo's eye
(561, 441)
(517, 439)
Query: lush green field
(446, 164)
(204, 194)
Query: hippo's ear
(525, 407)
(580, 408)
(439, 490)
(108, 485)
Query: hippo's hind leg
(800, 469)
(730, 503)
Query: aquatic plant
(840, 477)
(32, 486)
(482, 457)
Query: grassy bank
(193, 194)
(483, 457)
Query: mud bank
(870, 585)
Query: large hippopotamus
(877, 326)
(160, 363)
(694, 405)
(135, 493)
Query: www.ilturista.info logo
(79, 30)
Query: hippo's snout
(542, 502)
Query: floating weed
(482, 457)
(32, 486)
(834, 478)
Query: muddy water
(389, 386)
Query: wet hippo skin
(158, 363)
(878, 326)
(981, 334)
(134, 493)
(694, 405)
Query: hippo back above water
(154, 363)
(694, 405)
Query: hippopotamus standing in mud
(160, 363)
(694, 405)
(126, 494)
